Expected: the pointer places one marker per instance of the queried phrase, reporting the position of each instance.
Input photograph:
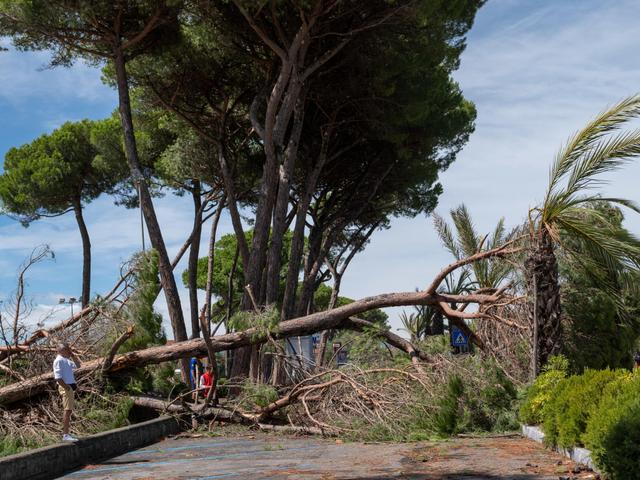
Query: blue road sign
(458, 337)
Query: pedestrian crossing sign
(458, 337)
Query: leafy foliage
(265, 320)
(573, 402)
(140, 312)
(226, 262)
(613, 431)
(258, 394)
(542, 390)
(322, 297)
(50, 174)
(463, 240)
(598, 409)
(601, 329)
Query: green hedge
(565, 416)
(599, 409)
(613, 432)
(540, 392)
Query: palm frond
(603, 124)
(498, 237)
(446, 235)
(613, 248)
(468, 240)
(603, 157)
(591, 199)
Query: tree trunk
(314, 253)
(544, 307)
(327, 335)
(167, 279)
(282, 201)
(233, 208)
(338, 318)
(194, 251)
(86, 253)
(210, 262)
(437, 324)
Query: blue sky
(537, 71)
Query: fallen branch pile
(337, 318)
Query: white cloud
(25, 76)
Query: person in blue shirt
(195, 370)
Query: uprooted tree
(338, 318)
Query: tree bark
(167, 279)
(297, 240)
(210, 263)
(328, 334)
(233, 208)
(194, 252)
(544, 309)
(282, 202)
(310, 269)
(86, 253)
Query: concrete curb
(55, 460)
(577, 454)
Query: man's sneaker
(69, 438)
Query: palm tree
(427, 320)
(466, 241)
(414, 324)
(569, 208)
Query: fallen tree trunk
(200, 410)
(337, 318)
(213, 413)
(302, 326)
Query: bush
(164, 379)
(103, 415)
(539, 394)
(599, 409)
(10, 445)
(449, 411)
(258, 394)
(470, 406)
(574, 400)
(613, 431)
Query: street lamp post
(70, 301)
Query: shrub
(469, 405)
(539, 394)
(164, 378)
(103, 415)
(446, 420)
(10, 445)
(573, 401)
(613, 431)
(259, 394)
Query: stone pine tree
(569, 207)
(115, 31)
(56, 174)
(309, 69)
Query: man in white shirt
(63, 366)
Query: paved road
(276, 457)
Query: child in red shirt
(206, 380)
